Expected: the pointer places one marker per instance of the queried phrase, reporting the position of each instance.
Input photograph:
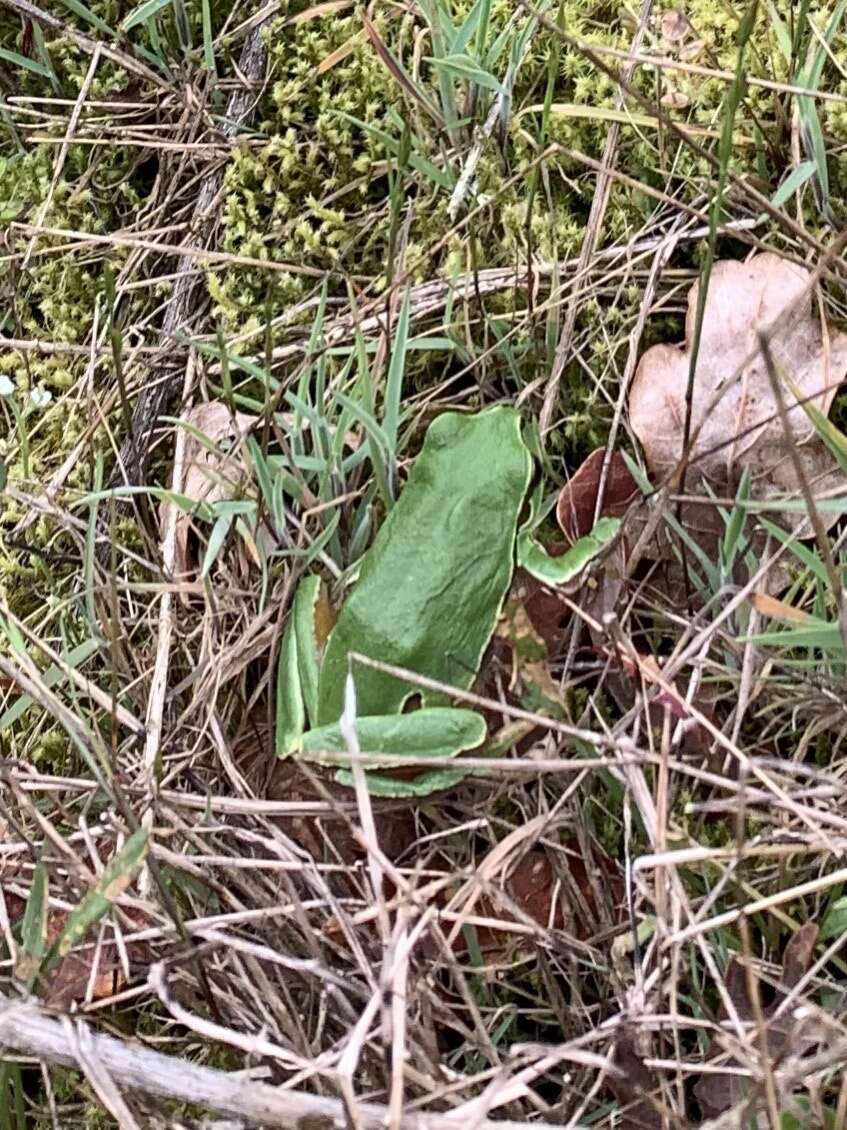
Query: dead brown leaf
(577, 502)
(633, 1084)
(674, 25)
(555, 894)
(213, 467)
(767, 605)
(743, 429)
(67, 982)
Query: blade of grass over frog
(308, 651)
(143, 13)
(559, 570)
(290, 708)
(394, 384)
(439, 732)
(433, 610)
(116, 878)
(52, 677)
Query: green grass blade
(394, 384)
(308, 649)
(34, 928)
(52, 677)
(143, 13)
(216, 540)
(116, 878)
(795, 180)
(465, 67)
(809, 557)
(783, 36)
(85, 13)
(208, 41)
(27, 64)
(820, 634)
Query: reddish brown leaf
(545, 609)
(578, 497)
(533, 889)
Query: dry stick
(159, 681)
(101, 1081)
(592, 234)
(25, 1030)
(469, 170)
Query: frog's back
(432, 584)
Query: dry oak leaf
(743, 428)
(578, 497)
(213, 469)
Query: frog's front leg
(299, 669)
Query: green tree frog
(428, 596)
